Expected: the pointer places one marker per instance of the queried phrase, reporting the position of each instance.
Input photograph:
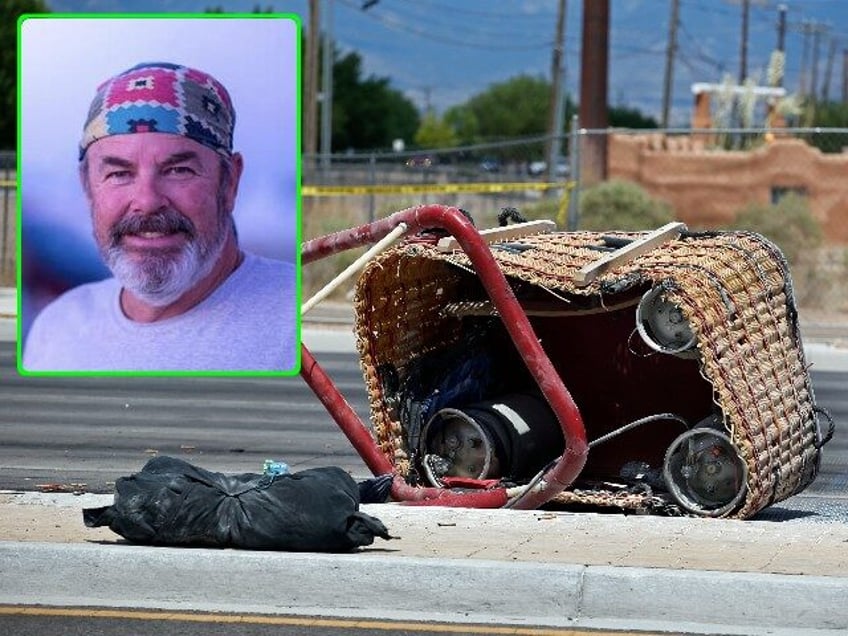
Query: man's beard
(159, 278)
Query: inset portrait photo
(159, 212)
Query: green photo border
(293, 17)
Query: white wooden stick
(354, 267)
(492, 235)
(627, 253)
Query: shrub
(546, 209)
(789, 223)
(621, 205)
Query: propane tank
(513, 436)
(663, 326)
(704, 472)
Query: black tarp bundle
(172, 502)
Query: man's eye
(179, 171)
(117, 175)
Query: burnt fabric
(172, 502)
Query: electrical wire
(604, 438)
(494, 41)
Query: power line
(392, 21)
(700, 53)
(488, 13)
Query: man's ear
(82, 172)
(236, 166)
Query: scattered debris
(73, 488)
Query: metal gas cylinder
(511, 436)
(704, 472)
(663, 327)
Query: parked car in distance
(535, 168)
(539, 168)
(490, 164)
(420, 161)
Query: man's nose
(148, 195)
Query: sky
(442, 52)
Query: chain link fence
(7, 219)
(707, 178)
(366, 186)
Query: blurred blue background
(62, 62)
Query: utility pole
(845, 76)
(781, 27)
(428, 99)
(814, 81)
(781, 42)
(777, 69)
(671, 51)
(743, 45)
(327, 90)
(310, 101)
(806, 28)
(828, 70)
(594, 63)
(555, 122)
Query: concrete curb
(371, 584)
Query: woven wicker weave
(733, 288)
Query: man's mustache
(163, 222)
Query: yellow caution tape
(562, 211)
(428, 188)
(410, 188)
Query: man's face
(160, 212)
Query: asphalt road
(89, 622)
(83, 433)
(87, 432)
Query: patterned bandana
(162, 97)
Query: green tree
(10, 10)
(829, 115)
(624, 117)
(368, 113)
(463, 121)
(517, 107)
(435, 132)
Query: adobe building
(708, 186)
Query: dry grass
(820, 277)
(8, 235)
(325, 215)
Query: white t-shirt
(249, 323)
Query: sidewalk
(679, 543)
(8, 313)
(522, 567)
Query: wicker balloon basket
(685, 362)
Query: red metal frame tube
(363, 442)
(347, 419)
(451, 219)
